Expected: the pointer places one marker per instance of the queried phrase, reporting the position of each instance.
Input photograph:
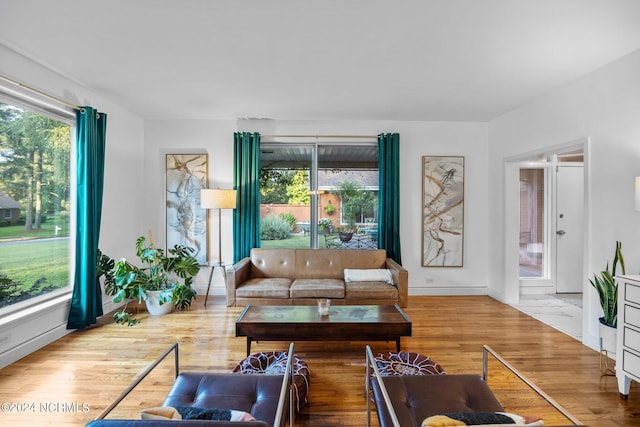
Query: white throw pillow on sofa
(368, 275)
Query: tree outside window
(35, 174)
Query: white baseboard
(36, 343)
(448, 291)
(38, 327)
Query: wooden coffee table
(302, 323)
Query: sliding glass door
(319, 195)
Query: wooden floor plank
(72, 380)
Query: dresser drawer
(631, 315)
(631, 339)
(631, 363)
(632, 293)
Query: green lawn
(293, 242)
(28, 262)
(17, 232)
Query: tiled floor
(560, 311)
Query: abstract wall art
(442, 211)
(186, 175)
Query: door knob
(561, 232)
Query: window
(319, 195)
(35, 157)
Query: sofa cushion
(317, 288)
(370, 290)
(273, 263)
(318, 263)
(271, 287)
(360, 258)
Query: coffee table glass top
(337, 314)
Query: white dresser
(628, 342)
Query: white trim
(444, 290)
(25, 332)
(23, 98)
(34, 323)
(511, 165)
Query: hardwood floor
(72, 380)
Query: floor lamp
(217, 199)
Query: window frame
(315, 189)
(48, 107)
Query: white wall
(605, 107)
(122, 205)
(416, 139)
(214, 137)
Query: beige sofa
(300, 276)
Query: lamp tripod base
(215, 265)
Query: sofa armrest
(400, 277)
(237, 274)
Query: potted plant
(164, 279)
(607, 288)
(325, 225)
(329, 209)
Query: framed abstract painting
(186, 175)
(442, 211)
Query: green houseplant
(607, 288)
(168, 275)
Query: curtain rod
(39, 92)
(318, 136)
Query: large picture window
(319, 195)
(35, 207)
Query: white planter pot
(153, 304)
(608, 338)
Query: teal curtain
(86, 300)
(246, 181)
(389, 194)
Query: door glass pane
(285, 205)
(532, 223)
(348, 196)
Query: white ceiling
(469, 60)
